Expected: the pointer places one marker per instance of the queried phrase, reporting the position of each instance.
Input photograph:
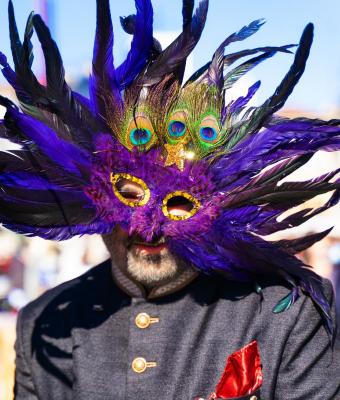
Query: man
(167, 338)
(183, 187)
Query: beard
(151, 269)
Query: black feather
(178, 51)
(187, 11)
(233, 57)
(129, 25)
(295, 72)
(27, 44)
(278, 99)
(61, 98)
(294, 246)
(215, 70)
(22, 57)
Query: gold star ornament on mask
(175, 155)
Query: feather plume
(278, 99)
(238, 105)
(173, 56)
(129, 25)
(294, 246)
(215, 70)
(141, 45)
(61, 95)
(201, 74)
(187, 11)
(25, 78)
(233, 76)
(103, 81)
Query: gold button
(140, 364)
(253, 398)
(143, 320)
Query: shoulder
(258, 302)
(73, 291)
(304, 302)
(303, 317)
(276, 289)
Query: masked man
(184, 185)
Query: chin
(151, 268)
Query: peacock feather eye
(208, 134)
(140, 133)
(209, 130)
(140, 137)
(177, 128)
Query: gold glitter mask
(134, 192)
(180, 205)
(130, 190)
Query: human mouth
(154, 247)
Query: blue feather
(286, 302)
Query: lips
(150, 249)
(153, 247)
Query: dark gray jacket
(79, 340)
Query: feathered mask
(146, 144)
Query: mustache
(137, 239)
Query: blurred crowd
(29, 266)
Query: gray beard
(152, 269)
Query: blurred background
(29, 266)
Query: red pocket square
(242, 374)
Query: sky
(318, 90)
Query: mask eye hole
(130, 190)
(180, 205)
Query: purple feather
(25, 180)
(67, 155)
(238, 104)
(59, 233)
(258, 151)
(141, 45)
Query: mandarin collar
(135, 289)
